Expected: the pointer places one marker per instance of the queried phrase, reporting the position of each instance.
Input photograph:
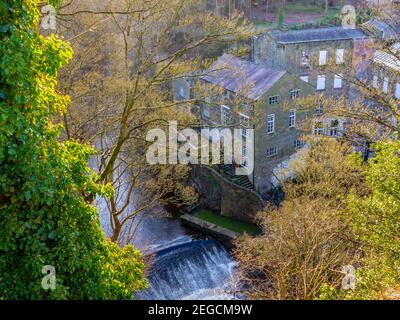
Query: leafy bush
(46, 187)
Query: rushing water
(199, 269)
(184, 263)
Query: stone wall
(283, 137)
(221, 195)
(224, 235)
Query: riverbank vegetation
(232, 224)
(338, 212)
(46, 222)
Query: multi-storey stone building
(269, 106)
(308, 53)
(322, 57)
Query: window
(273, 151)
(181, 92)
(270, 123)
(339, 56)
(292, 118)
(397, 91)
(337, 83)
(294, 94)
(321, 82)
(225, 114)
(273, 100)
(244, 150)
(319, 129)
(304, 78)
(243, 163)
(333, 128)
(244, 124)
(319, 111)
(206, 111)
(322, 57)
(305, 59)
(298, 144)
(385, 85)
(243, 160)
(227, 95)
(375, 81)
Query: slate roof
(388, 59)
(243, 77)
(317, 35)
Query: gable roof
(315, 35)
(243, 77)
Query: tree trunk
(116, 230)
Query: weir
(201, 269)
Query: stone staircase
(243, 181)
(275, 196)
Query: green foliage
(44, 218)
(375, 219)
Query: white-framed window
(206, 111)
(337, 82)
(298, 144)
(271, 123)
(333, 130)
(273, 100)
(339, 56)
(292, 118)
(272, 151)
(225, 114)
(244, 124)
(397, 91)
(294, 94)
(244, 150)
(321, 82)
(323, 54)
(385, 85)
(375, 81)
(305, 78)
(305, 59)
(181, 92)
(319, 128)
(243, 160)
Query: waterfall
(201, 269)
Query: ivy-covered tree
(375, 219)
(44, 218)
